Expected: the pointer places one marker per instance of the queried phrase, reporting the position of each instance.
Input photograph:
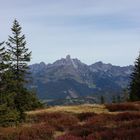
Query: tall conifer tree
(19, 55)
(13, 78)
(135, 81)
(19, 58)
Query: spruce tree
(19, 55)
(135, 81)
(19, 58)
(15, 97)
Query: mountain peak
(42, 64)
(68, 57)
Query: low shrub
(68, 137)
(101, 119)
(130, 124)
(115, 134)
(40, 131)
(127, 116)
(85, 116)
(8, 133)
(60, 121)
(85, 130)
(123, 107)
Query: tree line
(15, 98)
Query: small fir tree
(135, 81)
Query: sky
(90, 30)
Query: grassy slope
(73, 109)
(82, 122)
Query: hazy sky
(91, 30)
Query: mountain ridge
(71, 78)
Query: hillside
(82, 122)
(69, 78)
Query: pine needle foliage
(19, 55)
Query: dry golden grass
(73, 109)
(58, 133)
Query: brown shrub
(80, 131)
(123, 107)
(100, 119)
(65, 122)
(85, 130)
(121, 134)
(69, 137)
(127, 116)
(105, 119)
(115, 134)
(40, 131)
(130, 124)
(8, 133)
(60, 121)
(85, 116)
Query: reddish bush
(60, 121)
(85, 130)
(65, 122)
(100, 119)
(95, 136)
(40, 131)
(85, 116)
(123, 107)
(8, 133)
(80, 131)
(130, 124)
(115, 134)
(68, 137)
(121, 134)
(127, 116)
(106, 119)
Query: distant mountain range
(69, 78)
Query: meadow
(82, 122)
